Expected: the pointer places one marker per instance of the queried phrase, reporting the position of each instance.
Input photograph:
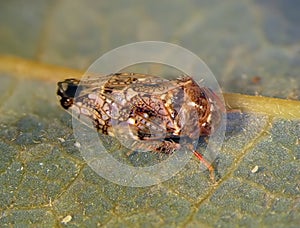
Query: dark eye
(68, 88)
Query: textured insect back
(146, 117)
(144, 112)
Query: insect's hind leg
(208, 165)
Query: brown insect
(150, 112)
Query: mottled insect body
(147, 112)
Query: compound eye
(66, 102)
(68, 88)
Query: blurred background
(251, 46)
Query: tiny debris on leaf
(61, 139)
(255, 169)
(66, 219)
(77, 144)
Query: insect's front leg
(167, 147)
(160, 147)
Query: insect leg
(207, 164)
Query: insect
(150, 112)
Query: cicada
(150, 112)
